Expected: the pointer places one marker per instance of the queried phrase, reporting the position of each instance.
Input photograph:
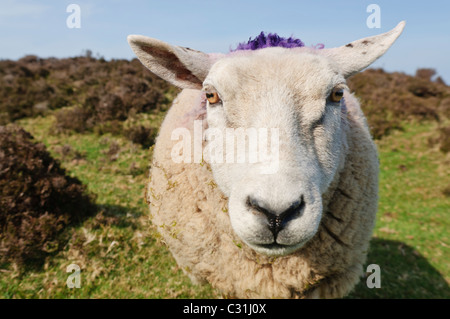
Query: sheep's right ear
(183, 67)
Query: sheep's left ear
(183, 67)
(359, 54)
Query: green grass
(121, 256)
(411, 239)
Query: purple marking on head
(271, 40)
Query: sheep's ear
(359, 54)
(183, 67)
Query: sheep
(300, 231)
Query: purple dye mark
(264, 40)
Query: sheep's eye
(213, 98)
(337, 94)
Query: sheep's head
(300, 92)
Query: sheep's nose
(276, 221)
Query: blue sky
(39, 27)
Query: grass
(118, 252)
(122, 257)
(411, 240)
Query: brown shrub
(106, 90)
(444, 107)
(446, 191)
(444, 139)
(110, 107)
(37, 199)
(423, 88)
(113, 152)
(142, 135)
(388, 99)
(77, 119)
(114, 127)
(425, 73)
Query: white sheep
(300, 231)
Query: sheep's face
(275, 206)
(275, 201)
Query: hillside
(104, 94)
(98, 119)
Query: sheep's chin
(276, 250)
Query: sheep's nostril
(293, 210)
(253, 203)
(275, 225)
(277, 221)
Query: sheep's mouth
(274, 245)
(275, 233)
